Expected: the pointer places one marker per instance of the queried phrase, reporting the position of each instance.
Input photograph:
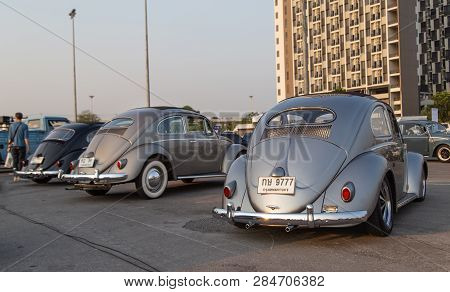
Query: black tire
(41, 181)
(423, 189)
(97, 193)
(443, 153)
(187, 180)
(381, 221)
(152, 188)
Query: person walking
(18, 143)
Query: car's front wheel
(152, 181)
(443, 153)
(381, 221)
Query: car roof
(79, 126)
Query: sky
(209, 54)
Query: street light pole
(147, 54)
(92, 108)
(72, 16)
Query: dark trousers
(18, 154)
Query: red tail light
(72, 165)
(348, 192)
(59, 163)
(229, 188)
(121, 163)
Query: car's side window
(208, 129)
(394, 126)
(416, 130)
(379, 123)
(172, 125)
(195, 125)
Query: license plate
(37, 160)
(276, 185)
(87, 162)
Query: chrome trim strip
(407, 201)
(201, 176)
(309, 219)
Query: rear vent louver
(322, 131)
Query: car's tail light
(122, 163)
(73, 165)
(228, 189)
(59, 163)
(348, 192)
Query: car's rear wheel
(381, 221)
(443, 153)
(423, 189)
(41, 180)
(187, 180)
(98, 193)
(152, 181)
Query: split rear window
(308, 116)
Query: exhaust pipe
(249, 225)
(289, 228)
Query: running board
(407, 200)
(202, 176)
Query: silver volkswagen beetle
(321, 161)
(150, 146)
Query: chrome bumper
(95, 178)
(37, 174)
(309, 220)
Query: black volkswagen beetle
(56, 152)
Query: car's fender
(366, 172)
(237, 174)
(230, 155)
(416, 165)
(137, 157)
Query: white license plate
(86, 162)
(37, 160)
(276, 185)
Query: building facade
(433, 18)
(366, 46)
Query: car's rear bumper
(96, 178)
(308, 219)
(36, 174)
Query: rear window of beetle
(60, 135)
(304, 116)
(119, 123)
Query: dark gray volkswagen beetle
(335, 160)
(150, 146)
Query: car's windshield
(436, 128)
(60, 135)
(301, 116)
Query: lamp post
(147, 54)
(92, 108)
(72, 16)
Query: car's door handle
(193, 141)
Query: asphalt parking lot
(47, 228)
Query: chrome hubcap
(444, 154)
(424, 187)
(386, 205)
(154, 179)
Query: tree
(339, 90)
(88, 118)
(248, 118)
(441, 101)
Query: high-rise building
(433, 25)
(366, 46)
